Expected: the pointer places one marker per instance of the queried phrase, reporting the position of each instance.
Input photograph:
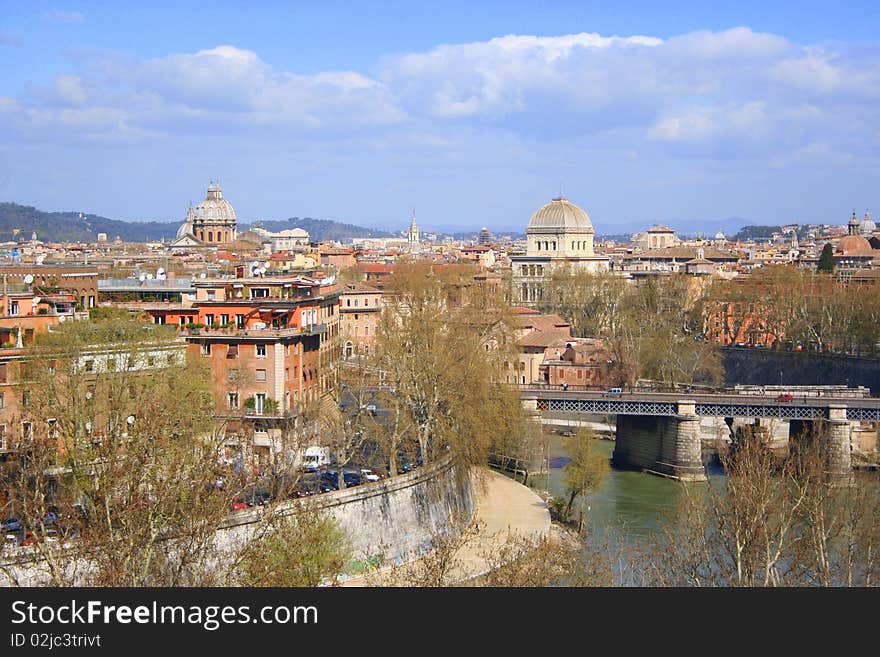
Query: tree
(586, 470)
(441, 344)
(302, 548)
(123, 449)
(121, 429)
(826, 259)
(779, 521)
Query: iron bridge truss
(708, 409)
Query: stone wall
(394, 517)
(764, 366)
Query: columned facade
(559, 235)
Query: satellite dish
(255, 264)
(142, 277)
(202, 275)
(262, 270)
(266, 265)
(160, 271)
(29, 278)
(40, 259)
(36, 300)
(149, 277)
(60, 318)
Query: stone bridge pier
(664, 445)
(836, 440)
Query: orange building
(271, 345)
(360, 307)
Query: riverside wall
(750, 366)
(396, 518)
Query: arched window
(554, 246)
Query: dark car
(258, 497)
(12, 525)
(329, 481)
(352, 478)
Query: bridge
(659, 432)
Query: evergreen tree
(826, 260)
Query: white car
(369, 475)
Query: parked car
(238, 504)
(258, 497)
(329, 481)
(613, 392)
(786, 397)
(11, 525)
(369, 475)
(352, 478)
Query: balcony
(254, 332)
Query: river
(628, 501)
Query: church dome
(214, 209)
(853, 244)
(560, 214)
(867, 226)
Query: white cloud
(733, 93)
(65, 17)
(69, 90)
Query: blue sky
(474, 114)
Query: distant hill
(18, 222)
(320, 229)
(756, 233)
(71, 227)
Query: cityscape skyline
(685, 117)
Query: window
(239, 321)
(2, 372)
(356, 316)
(261, 375)
(287, 374)
(224, 319)
(182, 320)
(159, 319)
(129, 364)
(232, 400)
(27, 430)
(13, 308)
(150, 361)
(1, 400)
(261, 351)
(53, 428)
(232, 351)
(259, 402)
(206, 349)
(89, 365)
(209, 319)
(3, 445)
(212, 295)
(367, 332)
(259, 292)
